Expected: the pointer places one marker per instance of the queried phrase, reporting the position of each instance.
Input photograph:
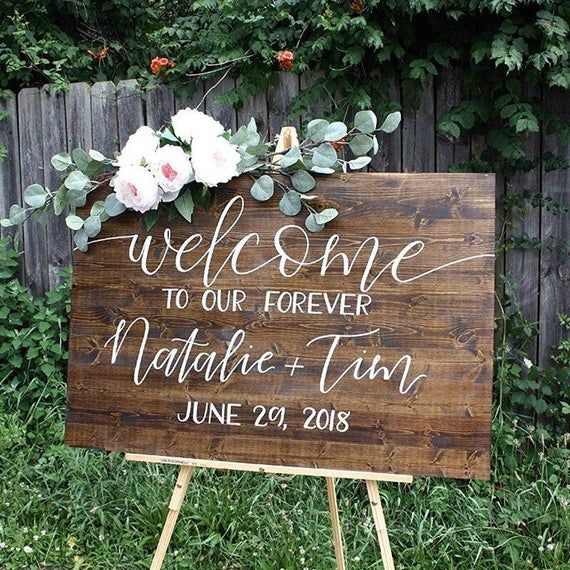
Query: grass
(82, 509)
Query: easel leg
(173, 510)
(380, 523)
(337, 536)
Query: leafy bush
(33, 354)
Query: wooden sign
(245, 338)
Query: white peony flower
(190, 123)
(214, 160)
(172, 169)
(136, 188)
(139, 148)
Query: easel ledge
(187, 466)
(278, 469)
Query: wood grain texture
(554, 263)
(159, 106)
(104, 126)
(32, 172)
(279, 103)
(523, 265)
(214, 107)
(58, 235)
(10, 166)
(129, 109)
(444, 321)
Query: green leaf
(391, 122)
(326, 215)
(335, 131)
(94, 168)
(81, 159)
(35, 195)
(365, 121)
(77, 197)
(96, 155)
(359, 162)
(167, 135)
(150, 218)
(92, 226)
(324, 156)
(312, 225)
(185, 205)
(322, 170)
(263, 188)
(112, 205)
(60, 200)
(302, 181)
(290, 204)
(80, 239)
(17, 214)
(74, 222)
(257, 150)
(61, 161)
(361, 144)
(98, 208)
(76, 180)
(291, 157)
(316, 129)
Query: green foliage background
(98, 512)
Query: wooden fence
(42, 122)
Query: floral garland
(176, 167)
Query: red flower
(99, 55)
(285, 59)
(161, 64)
(357, 7)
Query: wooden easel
(287, 139)
(187, 466)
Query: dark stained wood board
(442, 322)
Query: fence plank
(279, 103)
(78, 116)
(104, 126)
(31, 161)
(226, 115)
(523, 265)
(194, 101)
(448, 94)
(129, 109)
(10, 166)
(159, 106)
(389, 158)
(255, 106)
(418, 139)
(58, 235)
(554, 265)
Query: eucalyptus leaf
(257, 150)
(312, 225)
(61, 161)
(77, 198)
(365, 121)
(335, 131)
(94, 168)
(322, 170)
(150, 218)
(35, 195)
(326, 215)
(17, 214)
(76, 180)
(290, 203)
(97, 208)
(96, 155)
(391, 122)
(361, 144)
(92, 226)
(263, 188)
(60, 200)
(316, 129)
(74, 222)
(112, 205)
(185, 205)
(167, 135)
(80, 239)
(302, 181)
(5, 223)
(324, 156)
(81, 159)
(359, 162)
(291, 157)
